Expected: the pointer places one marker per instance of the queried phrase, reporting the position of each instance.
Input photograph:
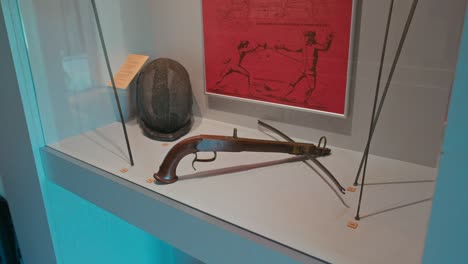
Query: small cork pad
(351, 189)
(124, 170)
(150, 180)
(352, 224)
(165, 144)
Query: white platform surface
(289, 202)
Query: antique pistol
(213, 143)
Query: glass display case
(286, 204)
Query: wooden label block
(150, 180)
(352, 224)
(129, 70)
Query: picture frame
(290, 54)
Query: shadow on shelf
(397, 182)
(218, 172)
(396, 208)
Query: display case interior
(280, 197)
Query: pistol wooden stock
(213, 143)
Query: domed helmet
(164, 99)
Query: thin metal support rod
(111, 75)
(377, 90)
(310, 157)
(384, 95)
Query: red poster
(286, 52)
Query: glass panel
(70, 73)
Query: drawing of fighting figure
(234, 63)
(310, 53)
(298, 89)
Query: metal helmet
(164, 99)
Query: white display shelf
(288, 202)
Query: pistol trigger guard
(203, 160)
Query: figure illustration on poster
(310, 55)
(234, 63)
(287, 52)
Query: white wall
(411, 126)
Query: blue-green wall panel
(447, 240)
(85, 233)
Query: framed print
(291, 53)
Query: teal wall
(84, 233)
(447, 240)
